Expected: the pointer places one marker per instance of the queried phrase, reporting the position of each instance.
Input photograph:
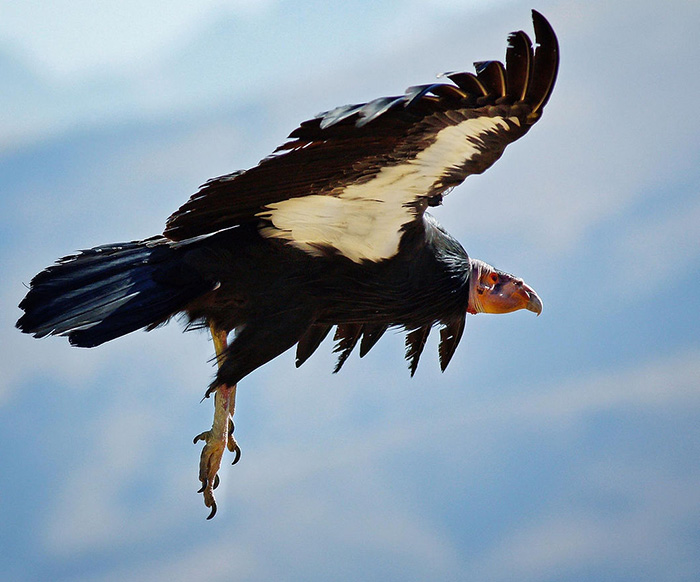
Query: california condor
(331, 230)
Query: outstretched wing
(350, 180)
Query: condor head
(493, 291)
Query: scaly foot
(216, 441)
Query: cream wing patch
(364, 221)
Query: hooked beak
(530, 300)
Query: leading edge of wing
(350, 179)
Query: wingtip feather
(545, 64)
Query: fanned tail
(109, 291)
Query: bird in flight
(330, 231)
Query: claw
(231, 444)
(213, 509)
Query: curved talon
(208, 491)
(213, 510)
(231, 444)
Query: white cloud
(71, 36)
(337, 512)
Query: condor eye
(493, 277)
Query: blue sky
(563, 447)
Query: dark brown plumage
(329, 231)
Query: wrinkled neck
(477, 268)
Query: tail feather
(108, 291)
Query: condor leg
(220, 436)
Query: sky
(563, 447)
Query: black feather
(310, 341)
(370, 336)
(469, 83)
(545, 66)
(347, 334)
(450, 335)
(415, 342)
(519, 63)
(492, 75)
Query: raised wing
(350, 180)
